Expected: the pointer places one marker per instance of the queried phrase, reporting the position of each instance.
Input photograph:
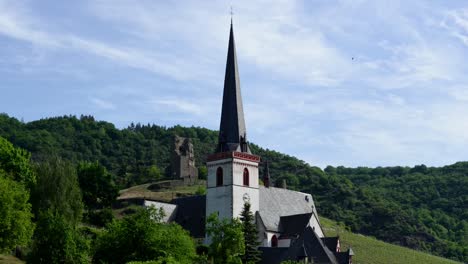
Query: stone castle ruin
(183, 161)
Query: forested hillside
(421, 207)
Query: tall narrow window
(274, 241)
(219, 176)
(246, 177)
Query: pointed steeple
(232, 132)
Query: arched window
(274, 241)
(246, 177)
(219, 176)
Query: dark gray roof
(331, 242)
(232, 126)
(293, 225)
(314, 247)
(190, 214)
(272, 255)
(278, 202)
(343, 257)
(307, 244)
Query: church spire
(232, 132)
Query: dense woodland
(421, 207)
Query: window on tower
(219, 176)
(246, 177)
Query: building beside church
(287, 221)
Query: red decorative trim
(234, 154)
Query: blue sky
(354, 83)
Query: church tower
(232, 169)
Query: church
(287, 221)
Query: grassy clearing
(370, 250)
(164, 194)
(8, 259)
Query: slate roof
(232, 126)
(292, 226)
(314, 247)
(191, 214)
(169, 209)
(278, 202)
(331, 242)
(272, 255)
(307, 244)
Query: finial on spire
(232, 14)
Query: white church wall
(238, 199)
(284, 242)
(266, 242)
(213, 166)
(169, 209)
(219, 200)
(238, 172)
(314, 223)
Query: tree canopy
(142, 237)
(419, 207)
(16, 227)
(226, 240)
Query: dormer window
(219, 176)
(246, 177)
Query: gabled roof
(292, 226)
(190, 214)
(308, 244)
(232, 131)
(278, 202)
(331, 242)
(344, 257)
(314, 247)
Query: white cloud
(177, 105)
(102, 104)
(342, 82)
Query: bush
(141, 237)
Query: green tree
(16, 163)
(154, 173)
(142, 237)
(97, 185)
(16, 227)
(227, 240)
(252, 254)
(58, 241)
(57, 190)
(202, 172)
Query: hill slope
(421, 207)
(369, 250)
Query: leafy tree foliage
(57, 190)
(97, 185)
(16, 227)
(56, 240)
(15, 162)
(16, 178)
(252, 254)
(227, 240)
(128, 153)
(142, 237)
(420, 207)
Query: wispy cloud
(102, 104)
(345, 82)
